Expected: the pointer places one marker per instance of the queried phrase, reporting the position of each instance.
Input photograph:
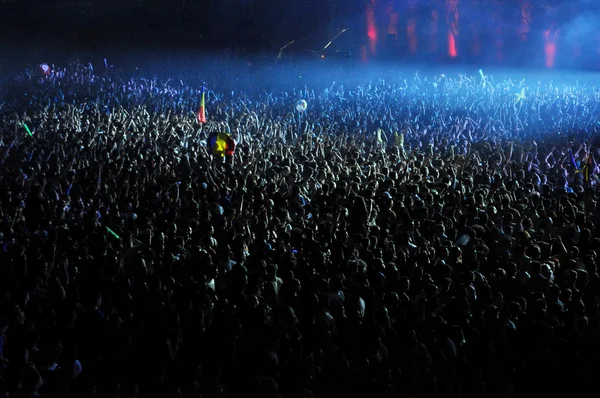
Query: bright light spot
(372, 33)
(451, 45)
(372, 38)
(371, 26)
(322, 55)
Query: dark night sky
(204, 23)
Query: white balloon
(301, 105)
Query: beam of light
(283, 48)
(334, 38)
(394, 18)
(372, 37)
(371, 26)
(452, 45)
(549, 49)
(435, 19)
(550, 52)
(372, 33)
(411, 35)
(453, 17)
(363, 54)
(525, 26)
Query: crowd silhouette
(428, 237)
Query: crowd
(426, 237)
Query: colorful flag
(202, 111)
(588, 167)
(222, 144)
(573, 162)
(399, 139)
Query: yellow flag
(520, 95)
(399, 138)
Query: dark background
(487, 32)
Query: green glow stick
(27, 128)
(112, 233)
